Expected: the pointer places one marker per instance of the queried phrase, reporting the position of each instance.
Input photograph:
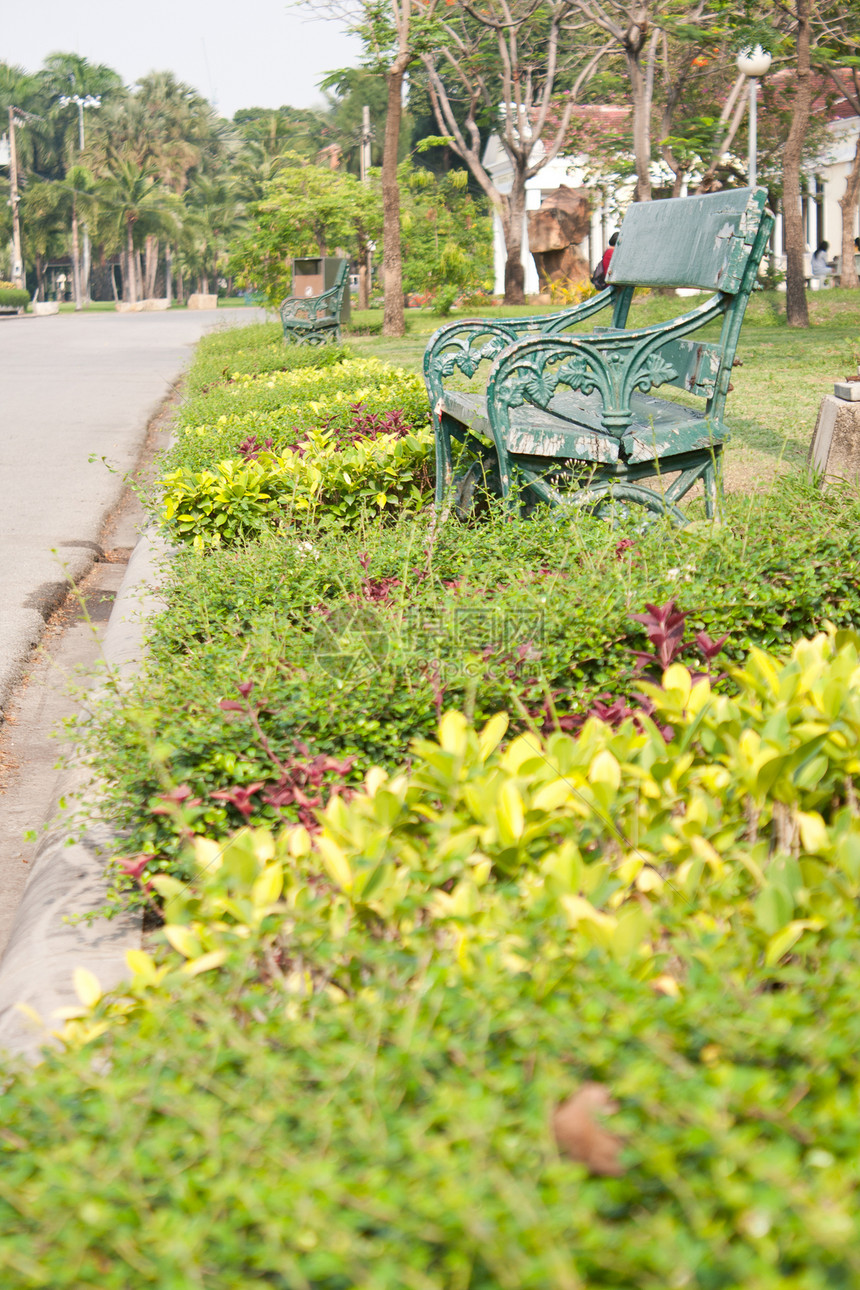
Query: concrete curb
(68, 874)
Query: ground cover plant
(387, 1024)
(395, 626)
(329, 435)
(488, 991)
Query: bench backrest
(700, 242)
(335, 294)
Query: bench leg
(444, 457)
(712, 479)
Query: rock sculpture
(556, 232)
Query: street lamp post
(753, 63)
(81, 271)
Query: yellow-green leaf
(87, 987)
(205, 963)
(268, 886)
(335, 862)
(492, 734)
(510, 813)
(183, 940)
(789, 935)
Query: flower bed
(488, 991)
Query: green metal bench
(314, 320)
(569, 419)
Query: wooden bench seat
(569, 417)
(571, 428)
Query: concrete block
(847, 390)
(835, 449)
(155, 303)
(127, 307)
(44, 308)
(200, 300)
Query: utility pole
(366, 136)
(83, 269)
(17, 258)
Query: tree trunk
(151, 271)
(512, 229)
(394, 320)
(641, 128)
(168, 272)
(796, 309)
(130, 283)
(76, 257)
(86, 267)
(641, 39)
(180, 287)
(40, 278)
(848, 206)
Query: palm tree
(214, 215)
(44, 214)
(66, 80)
(132, 204)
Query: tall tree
(640, 30)
(796, 309)
(504, 62)
(212, 218)
(71, 81)
(838, 54)
(849, 83)
(396, 32)
(349, 90)
(132, 204)
(305, 210)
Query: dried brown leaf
(579, 1134)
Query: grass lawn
(783, 374)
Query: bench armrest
(327, 304)
(469, 342)
(615, 364)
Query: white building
(572, 171)
(825, 184)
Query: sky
(237, 53)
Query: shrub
(287, 406)
(257, 349)
(444, 301)
(530, 615)
(744, 827)
(347, 1072)
(12, 296)
(396, 1132)
(386, 473)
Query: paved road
(74, 388)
